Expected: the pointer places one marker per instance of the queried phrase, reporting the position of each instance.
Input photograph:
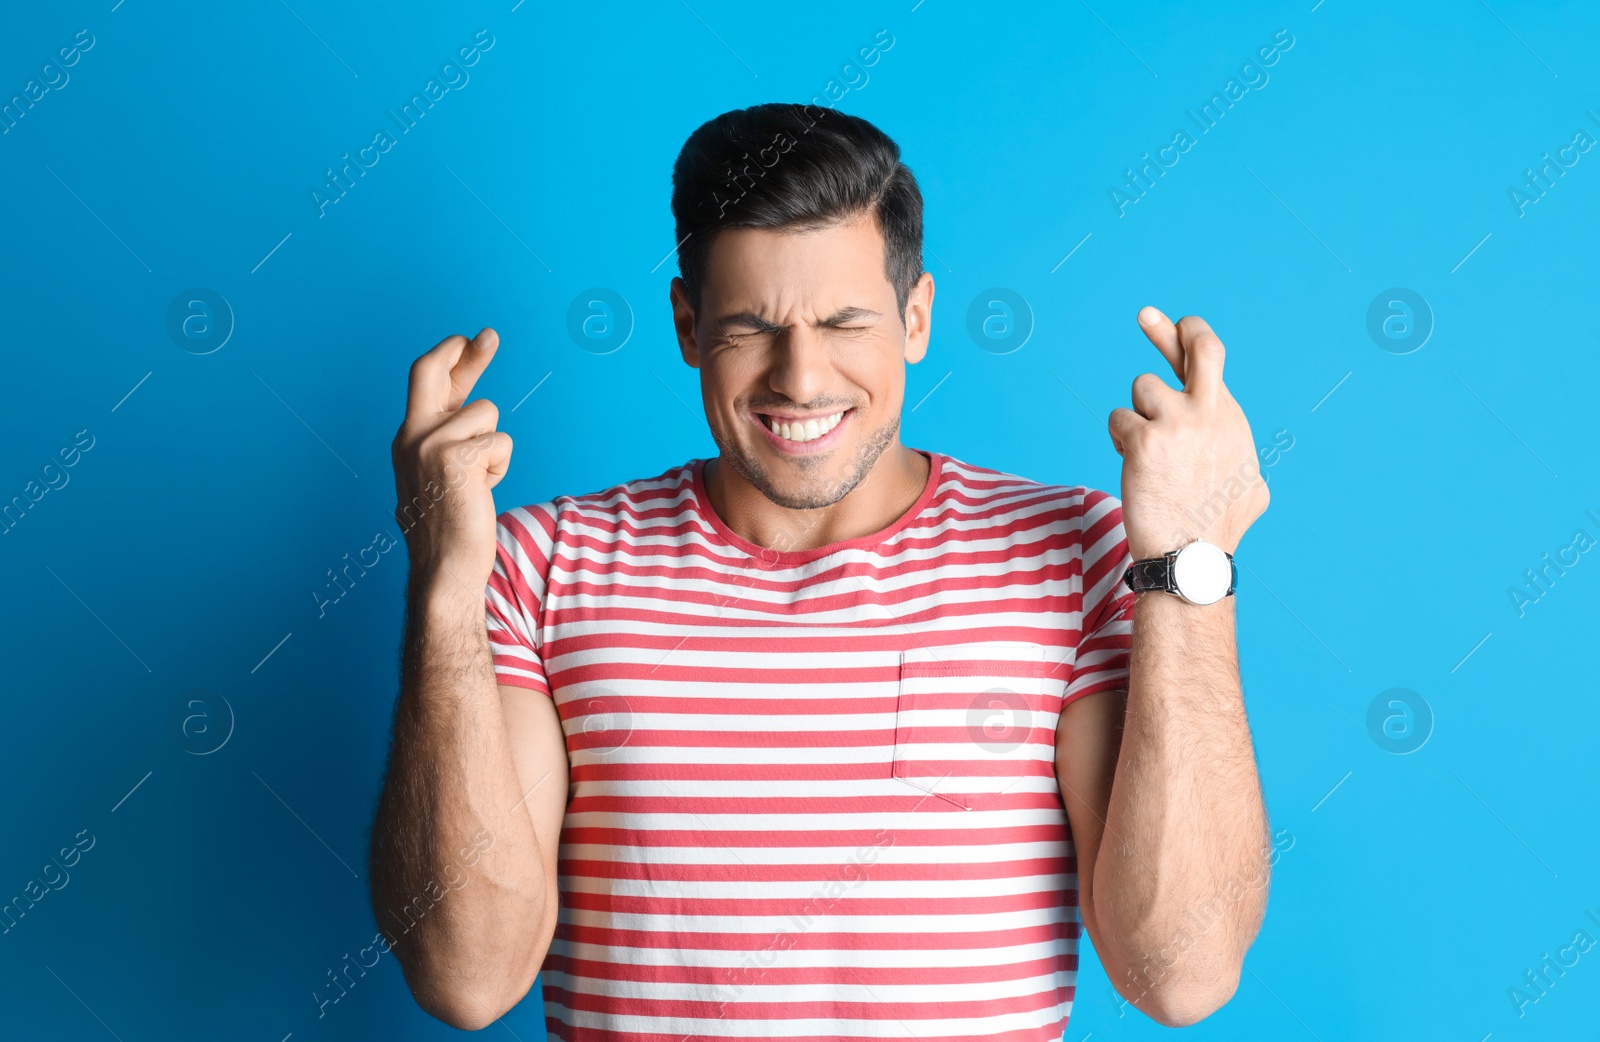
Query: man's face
(797, 328)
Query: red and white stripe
(813, 792)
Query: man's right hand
(447, 458)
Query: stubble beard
(751, 469)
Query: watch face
(1202, 573)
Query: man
(825, 736)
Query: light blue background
(221, 487)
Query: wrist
(1143, 550)
(1199, 572)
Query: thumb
(497, 457)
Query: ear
(683, 320)
(919, 318)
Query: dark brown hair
(782, 165)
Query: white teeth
(810, 430)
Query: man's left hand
(1189, 467)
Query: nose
(802, 366)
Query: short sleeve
(514, 597)
(1101, 663)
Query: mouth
(803, 435)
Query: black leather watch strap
(1152, 574)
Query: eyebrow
(751, 320)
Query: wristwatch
(1200, 573)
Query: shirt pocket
(973, 720)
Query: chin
(793, 484)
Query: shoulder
(1074, 515)
(605, 509)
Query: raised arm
(1160, 780)
(463, 855)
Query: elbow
(1180, 1004)
(462, 1007)
(461, 1015)
(467, 976)
(471, 1016)
(445, 994)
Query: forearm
(1180, 880)
(456, 875)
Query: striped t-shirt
(812, 792)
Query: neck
(881, 497)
